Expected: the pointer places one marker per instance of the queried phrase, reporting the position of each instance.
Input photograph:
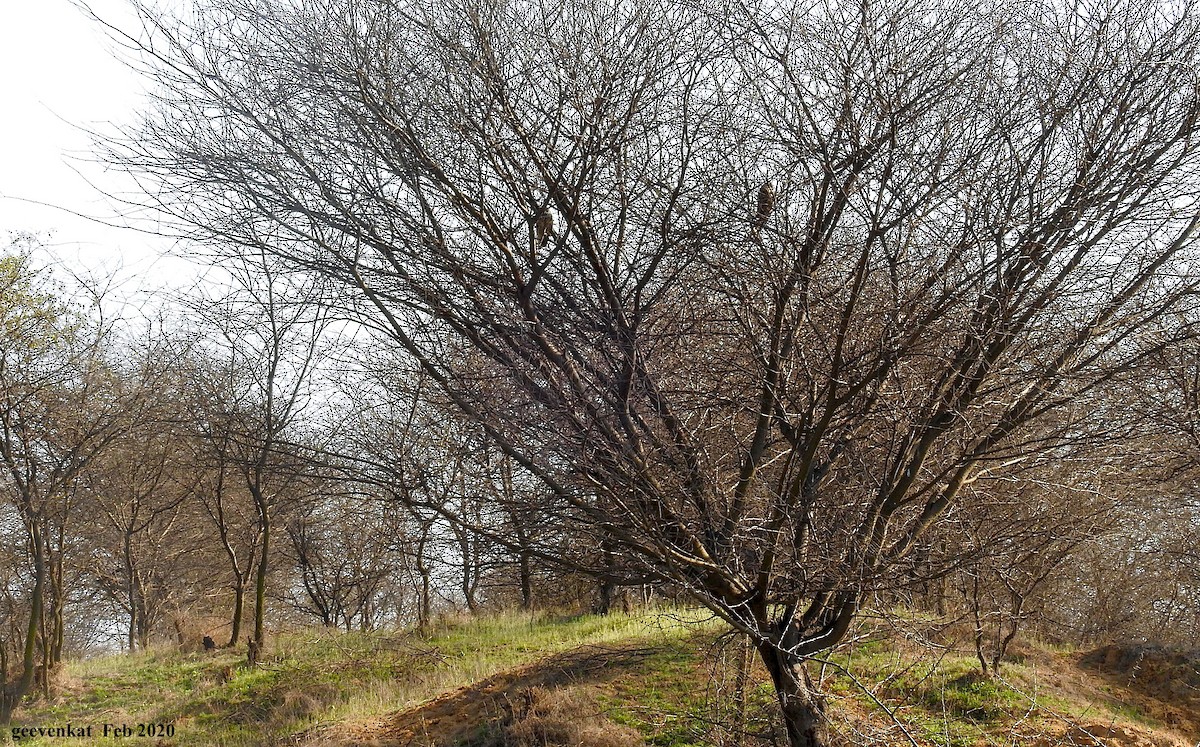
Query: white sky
(59, 77)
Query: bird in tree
(543, 227)
(766, 204)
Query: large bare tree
(756, 292)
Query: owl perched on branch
(543, 227)
(766, 204)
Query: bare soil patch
(1160, 682)
(510, 707)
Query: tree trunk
(11, 693)
(141, 630)
(524, 567)
(977, 616)
(216, 512)
(607, 587)
(260, 581)
(424, 601)
(51, 634)
(8, 703)
(239, 604)
(470, 572)
(130, 592)
(604, 603)
(800, 705)
(469, 567)
(58, 627)
(526, 581)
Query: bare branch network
(755, 294)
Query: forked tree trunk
(800, 705)
(58, 627)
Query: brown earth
(532, 704)
(1107, 735)
(1162, 683)
(552, 702)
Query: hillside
(665, 679)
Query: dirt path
(468, 713)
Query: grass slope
(663, 679)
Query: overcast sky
(59, 78)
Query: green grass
(321, 676)
(665, 699)
(943, 698)
(671, 690)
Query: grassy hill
(664, 678)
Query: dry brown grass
(480, 714)
(564, 717)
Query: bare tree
(1155, 553)
(1009, 547)
(219, 492)
(61, 405)
(264, 335)
(422, 460)
(347, 551)
(757, 296)
(138, 493)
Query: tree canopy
(753, 295)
